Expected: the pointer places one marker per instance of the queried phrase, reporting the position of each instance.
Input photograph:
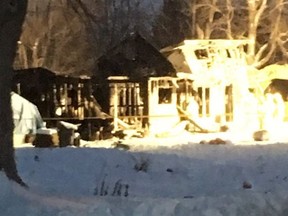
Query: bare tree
(55, 38)
(275, 43)
(12, 14)
(171, 18)
(110, 21)
(262, 22)
(211, 18)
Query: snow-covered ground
(165, 176)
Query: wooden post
(129, 100)
(146, 88)
(115, 103)
(66, 97)
(124, 97)
(80, 102)
(19, 88)
(78, 99)
(136, 99)
(204, 104)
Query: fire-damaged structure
(204, 82)
(60, 97)
(272, 81)
(56, 95)
(153, 104)
(143, 89)
(218, 69)
(199, 85)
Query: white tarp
(26, 116)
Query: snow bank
(15, 201)
(190, 179)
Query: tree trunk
(255, 13)
(12, 13)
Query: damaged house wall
(126, 69)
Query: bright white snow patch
(178, 176)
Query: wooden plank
(187, 117)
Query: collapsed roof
(209, 62)
(136, 58)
